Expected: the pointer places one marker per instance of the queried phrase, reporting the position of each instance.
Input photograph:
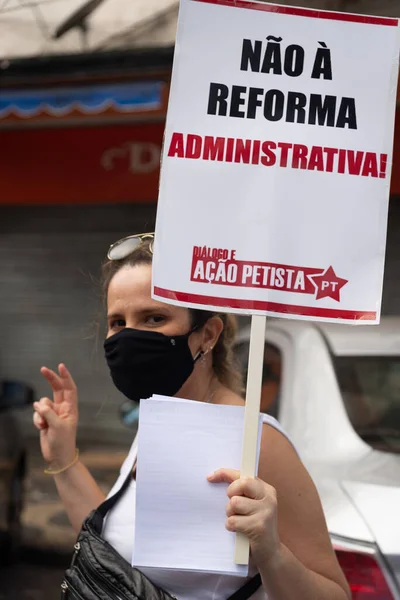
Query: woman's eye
(155, 320)
(117, 323)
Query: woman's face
(129, 304)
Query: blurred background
(83, 97)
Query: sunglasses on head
(123, 247)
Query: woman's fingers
(39, 422)
(62, 384)
(251, 487)
(223, 476)
(70, 394)
(40, 409)
(56, 383)
(239, 505)
(45, 402)
(66, 378)
(46, 411)
(243, 524)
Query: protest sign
(276, 162)
(276, 170)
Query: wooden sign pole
(252, 411)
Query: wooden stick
(251, 416)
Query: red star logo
(328, 285)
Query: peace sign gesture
(57, 419)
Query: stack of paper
(180, 516)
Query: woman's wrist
(270, 562)
(59, 466)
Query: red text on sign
(207, 268)
(269, 153)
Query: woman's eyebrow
(154, 309)
(144, 310)
(115, 315)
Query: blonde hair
(224, 364)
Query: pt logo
(328, 285)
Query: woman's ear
(211, 332)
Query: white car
(336, 391)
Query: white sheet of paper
(180, 516)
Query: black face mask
(143, 363)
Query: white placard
(180, 516)
(277, 159)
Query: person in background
(271, 380)
(153, 347)
(271, 375)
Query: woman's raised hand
(57, 419)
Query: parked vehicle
(336, 391)
(13, 396)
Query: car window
(272, 375)
(371, 392)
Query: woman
(291, 550)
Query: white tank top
(119, 531)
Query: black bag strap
(108, 504)
(248, 589)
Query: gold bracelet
(57, 472)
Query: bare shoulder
(302, 525)
(278, 457)
(281, 467)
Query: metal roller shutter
(50, 303)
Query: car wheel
(13, 537)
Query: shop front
(79, 168)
